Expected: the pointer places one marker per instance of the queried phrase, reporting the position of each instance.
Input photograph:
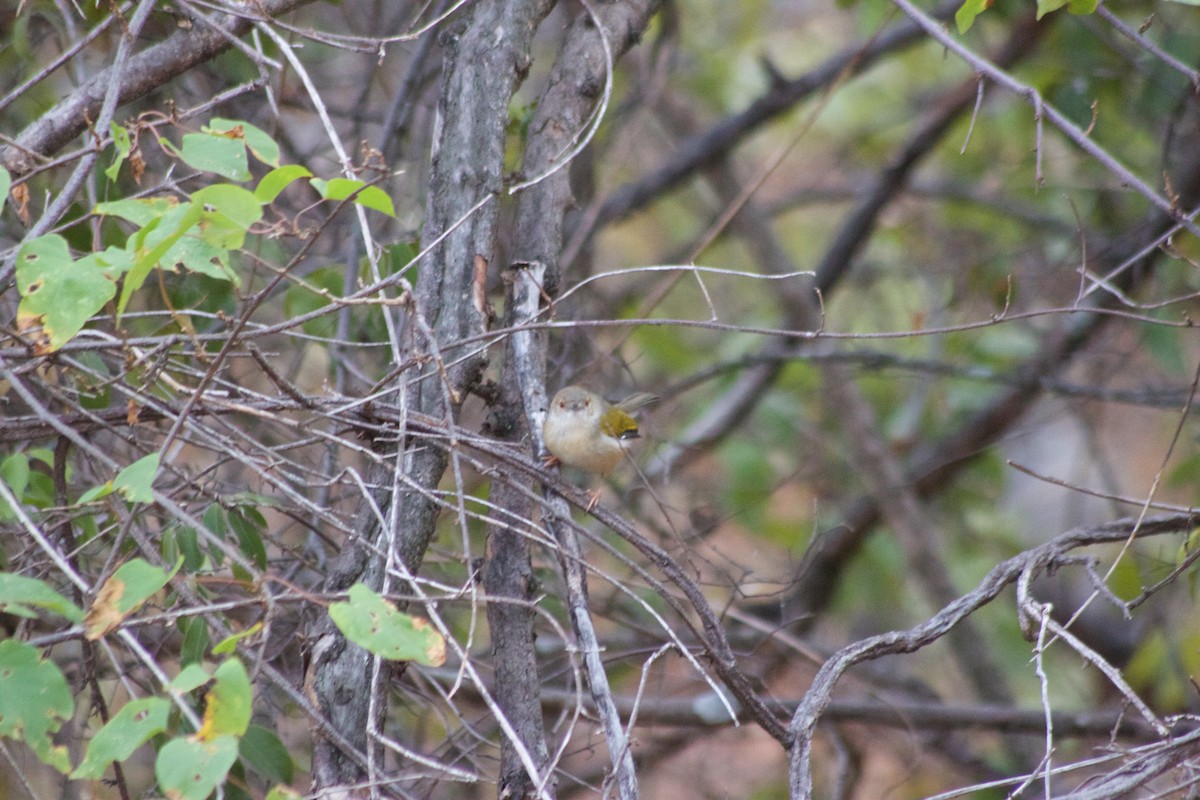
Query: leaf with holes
(34, 701)
(189, 769)
(58, 294)
(132, 727)
(375, 624)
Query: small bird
(585, 431)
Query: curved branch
(804, 721)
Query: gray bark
(486, 57)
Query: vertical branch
(486, 57)
(571, 95)
(509, 571)
(570, 558)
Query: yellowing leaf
(103, 616)
(134, 482)
(375, 624)
(228, 702)
(58, 294)
(122, 594)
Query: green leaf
(196, 235)
(228, 703)
(93, 381)
(123, 593)
(398, 257)
(139, 211)
(132, 727)
(968, 11)
(188, 543)
(259, 141)
(1188, 546)
(197, 255)
(228, 645)
(249, 526)
(5, 186)
(195, 640)
(14, 471)
(277, 180)
(1044, 7)
(123, 145)
(262, 750)
(34, 701)
(150, 245)
(369, 196)
(96, 493)
(112, 262)
(191, 677)
(283, 793)
(1126, 580)
(189, 769)
(1082, 6)
(375, 624)
(233, 206)
(20, 595)
(224, 216)
(57, 293)
(214, 519)
(134, 482)
(224, 154)
(40, 491)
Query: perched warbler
(585, 431)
